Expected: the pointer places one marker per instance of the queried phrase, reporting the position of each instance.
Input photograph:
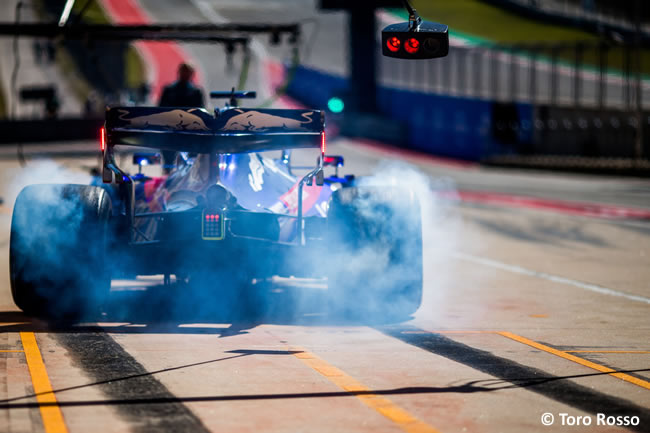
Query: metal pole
(426, 72)
(577, 75)
(532, 64)
(554, 54)
(602, 65)
(577, 78)
(478, 72)
(513, 75)
(361, 40)
(413, 75)
(462, 71)
(446, 81)
(308, 178)
(65, 14)
(453, 76)
(639, 85)
(495, 73)
(439, 75)
(627, 66)
(418, 75)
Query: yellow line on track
(11, 351)
(6, 324)
(607, 351)
(577, 360)
(384, 406)
(50, 411)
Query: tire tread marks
(121, 377)
(560, 389)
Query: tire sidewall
(58, 245)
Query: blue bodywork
(229, 151)
(262, 183)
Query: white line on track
(554, 278)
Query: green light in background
(335, 105)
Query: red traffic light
(427, 41)
(412, 46)
(393, 44)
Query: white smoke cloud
(42, 171)
(212, 298)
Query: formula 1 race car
(226, 213)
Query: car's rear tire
(59, 236)
(376, 268)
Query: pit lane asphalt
(454, 367)
(450, 367)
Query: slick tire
(57, 251)
(376, 268)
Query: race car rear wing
(235, 130)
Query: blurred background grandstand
(545, 83)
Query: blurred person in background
(181, 93)
(52, 106)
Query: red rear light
(412, 46)
(393, 43)
(213, 227)
(102, 138)
(322, 143)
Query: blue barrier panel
(315, 88)
(442, 125)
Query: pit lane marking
(510, 374)
(607, 351)
(50, 411)
(566, 354)
(543, 275)
(382, 405)
(577, 360)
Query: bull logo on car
(256, 121)
(176, 119)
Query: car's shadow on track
(183, 309)
(267, 302)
